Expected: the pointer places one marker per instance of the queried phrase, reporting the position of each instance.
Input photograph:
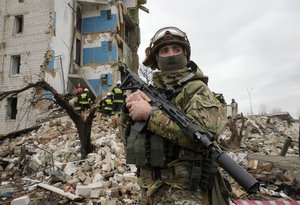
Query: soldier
(118, 97)
(85, 99)
(174, 170)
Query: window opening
(19, 21)
(78, 52)
(12, 107)
(78, 20)
(104, 79)
(109, 46)
(15, 64)
(108, 13)
(127, 33)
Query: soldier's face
(170, 50)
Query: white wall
(61, 43)
(31, 44)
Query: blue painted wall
(97, 84)
(99, 23)
(100, 54)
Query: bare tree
(145, 73)
(234, 141)
(276, 110)
(262, 109)
(83, 121)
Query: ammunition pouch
(195, 175)
(150, 151)
(209, 171)
(138, 146)
(157, 151)
(145, 149)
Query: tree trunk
(84, 132)
(234, 139)
(83, 121)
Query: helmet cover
(166, 36)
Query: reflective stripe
(118, 101)
(109, 102)
(118, 90)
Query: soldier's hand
(137, 96)
(139, 110)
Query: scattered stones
(51, 155)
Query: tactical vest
(149, 151)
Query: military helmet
(166, 36)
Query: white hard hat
(118, 82)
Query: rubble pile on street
(49, 159)
(45, 165)
(269, 150)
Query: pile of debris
(269, 150)
(49, 159)
(44, 166)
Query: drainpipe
(63, 75)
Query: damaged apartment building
(68, 43)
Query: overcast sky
(245, 47)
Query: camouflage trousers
(167, 195)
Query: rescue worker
(85, 99)
(234, 108)
(107, 105)
(76, 99)
(172, 169)
(118, 97)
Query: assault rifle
(241, 176)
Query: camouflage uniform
(197, 101)
(178, 181)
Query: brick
(23, 200)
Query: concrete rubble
(265, 153)
(45, 165)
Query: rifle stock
(241, 176)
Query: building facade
(68, 43)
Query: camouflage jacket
(196, 100)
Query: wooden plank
(283, 162)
